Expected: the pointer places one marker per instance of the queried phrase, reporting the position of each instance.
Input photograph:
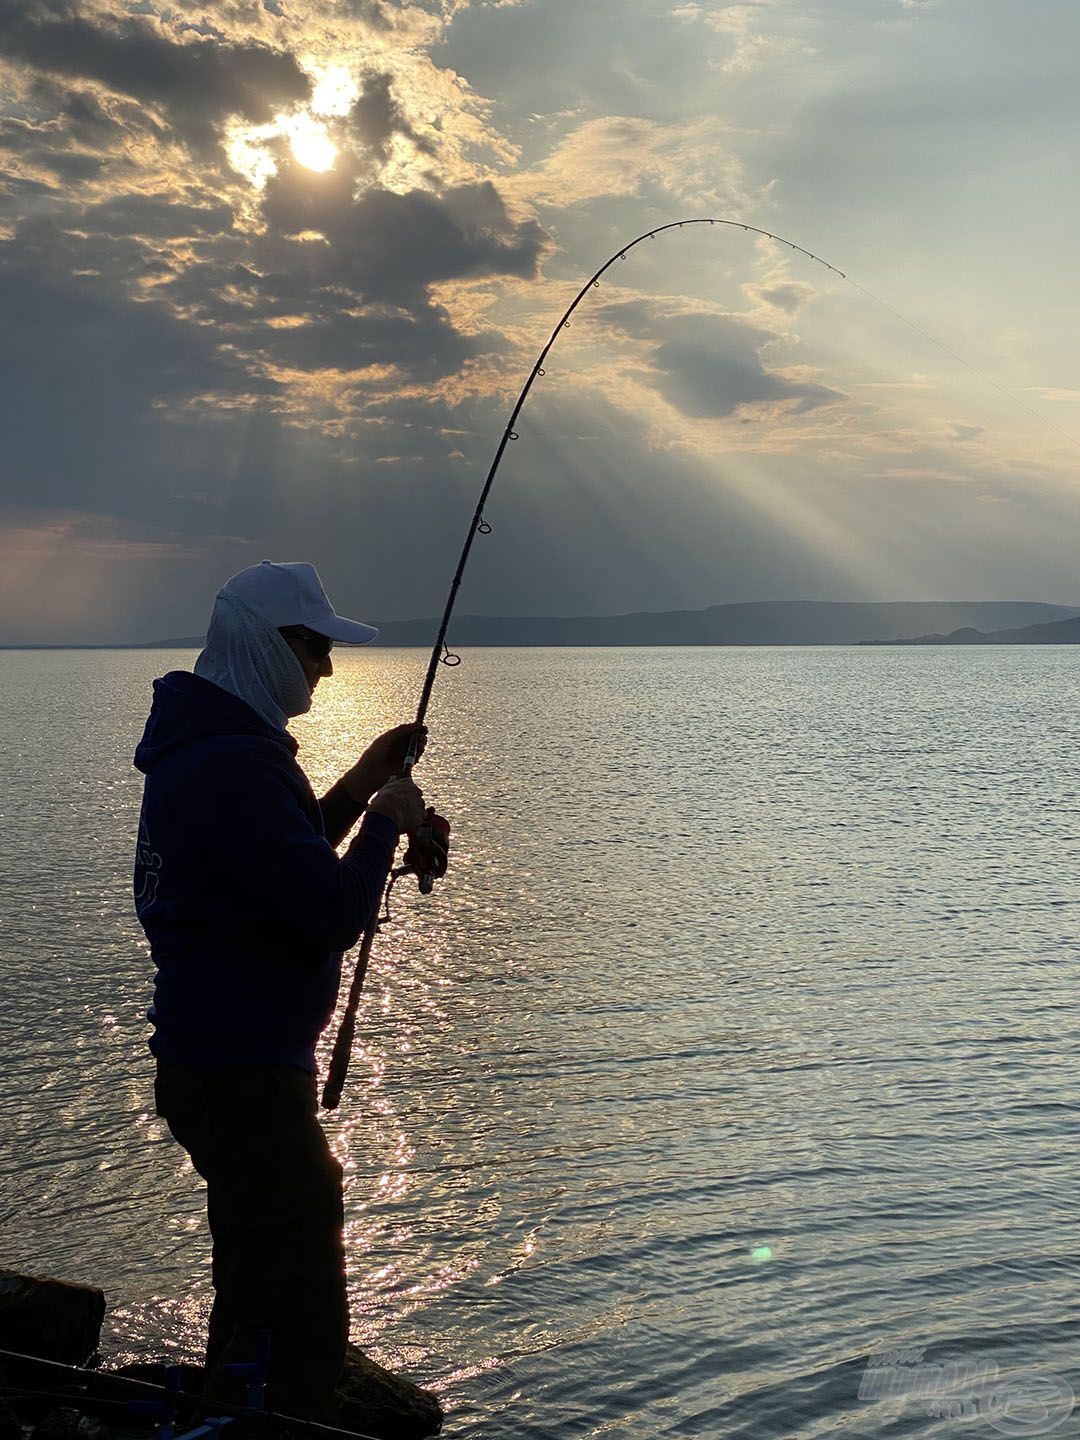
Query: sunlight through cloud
(335, 90)
(310, 141)
(250, 147)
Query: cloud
(376, 117)
(1054, 392)
(708, 366)
(198, 81)
(787, 295)
(622, 154)
(397, 245)
(194, 291)
(755, 37)
(76, 347)
(320, 360)
(155, 216)
(48, 147)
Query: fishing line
(441, 653)
(988, 379)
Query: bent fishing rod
(438, 829)
(435, 828)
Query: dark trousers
(274, 1203)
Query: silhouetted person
(247, 908)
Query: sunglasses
(318, 646)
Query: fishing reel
(428, 853)
(426, 857)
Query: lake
(736, 1052)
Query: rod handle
(339, 1062)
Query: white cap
(291, 593)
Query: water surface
(744, 953)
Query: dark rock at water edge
(68, 1423)
(53, 1321)
(371, 1399)
(49, 1318)
(381, 1403)
(10, 1424)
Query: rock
(49, 1318)
(60, 1424)
(377, 1402)
(91, 1428)
(370, 1399)
(67, 1423)
(10, 1424)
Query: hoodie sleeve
(340, 813)
(247, 818)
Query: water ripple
(734, 1051)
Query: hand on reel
(429, 851)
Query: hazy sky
(272, 273)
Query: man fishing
(247, 907)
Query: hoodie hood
(186, 707)
(251, 660)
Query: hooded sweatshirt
(244, 900)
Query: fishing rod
(479, 526)
(428, 851)
(433, 838)
(166, 1396)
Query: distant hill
(765, 622)
(1057, 632)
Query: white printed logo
(1023, 1402)
(147, 870)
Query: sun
(308, 130)
(310, 141)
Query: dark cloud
(709, 366)
(76, 135)
(86, 116)
(371, 12)
(199, 83)
(787, 295)
(158, 216)
(48, 147)
(357, 295)
(422, 345)
(377, 117)
(87, 376)
(395, 246)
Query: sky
(272, 273)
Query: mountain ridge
(1055, 632)
(756, 622)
